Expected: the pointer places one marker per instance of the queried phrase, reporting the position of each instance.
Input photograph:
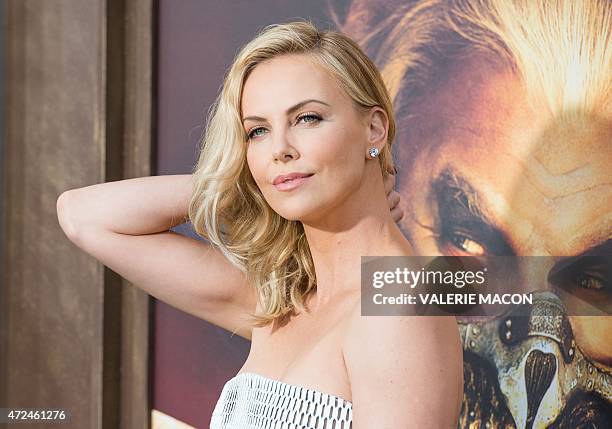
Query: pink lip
(294, 181)
(282, 177)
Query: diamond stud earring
(373, 152)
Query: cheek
(256, 166)
(341, 151)
(593, 336)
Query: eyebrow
(450, 185)
(289, 110)
(603, 248)
(459, 204)
(598, 244)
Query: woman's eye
(253, 132)
(311, 116)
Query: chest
(307, 351)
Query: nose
(282, 148)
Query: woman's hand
(393, 198)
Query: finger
(393, 198)
(389, 182)
(397, 214)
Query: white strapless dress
(252, 401)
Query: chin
(301, 208)
(295, 213)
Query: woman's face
(298, 120)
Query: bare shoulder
(426, 329)
(412, 337)
(405, 371)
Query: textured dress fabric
(252, 401)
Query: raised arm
(125, 225)
(405, 372)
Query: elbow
(65, 215)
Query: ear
(378, 127)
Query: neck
(362, 226)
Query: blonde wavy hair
(561, 49)
(228, 209)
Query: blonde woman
(289, 189)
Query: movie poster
(503, 112)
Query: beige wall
(78, 111)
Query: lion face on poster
(504, 113)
